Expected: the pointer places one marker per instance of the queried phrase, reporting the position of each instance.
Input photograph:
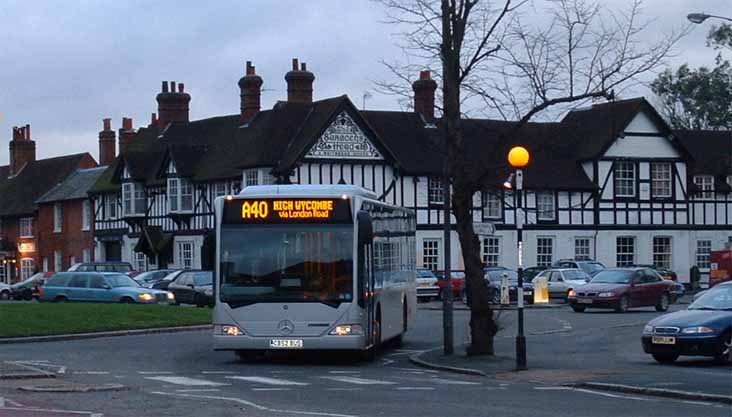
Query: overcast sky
(65, 65)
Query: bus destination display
(288, 210)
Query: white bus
(312, 267)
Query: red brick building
(22, 182)
(66, 221)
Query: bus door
(366, 281)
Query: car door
(637, 290)
(655, 287)
(77, 288)
(180, 287)
(558, 286)
(103, 291)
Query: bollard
(505, 296)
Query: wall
(71, 241)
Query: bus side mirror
(365, 228)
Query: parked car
(563, 282)
(426, 284)
(532, 271)
(494, 279)
(703, 329)
(100, 287)
(665, 273)
(193, 287)
(590, 267)
(163, 283)
(458, 283)
(149, 278)
(28, 289)
(121, 267)
(677, 291)
(623, 288)
(4, 291)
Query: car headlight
(228, 330)
(146, 297)
(648, 329)
(347, 330)
(605, 294)
(698, 329)
(208, 291)
(170, 296)
(572, 293)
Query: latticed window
(26, 227)
(251, 177)
(625, 177)
(582, 248)
(491, 206)
(661, 179)
(662, 251)
(625, 251)
(705, 184)
(545, 206)
(491, 251)
(544, 251)
(435, 191)
(431, 254)
(703, 249)
(185, 255)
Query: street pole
(447, 293)
(520, 338)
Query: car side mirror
(191, 285)
(587, 279)
(106, 287)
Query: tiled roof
(74, 187)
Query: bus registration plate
(285, 343)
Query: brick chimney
(22, 149)
(107, 144)
(250, 86)
(299, 84)
(126, 133)
(172, 105)
(424, 96)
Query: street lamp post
(701, 17)
(518, 157)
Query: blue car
(704, 329)
(100, 287)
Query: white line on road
(218, 372)
(154, 372)
(416, 388)
(452, 381)
(52, 410)
(184, 380)
(199, 390)
(254, 405)
(344, 389)
(270, 389)
(605, 394)
(266, 380)
(432, 371)
(344, 372)
(358, 381)
(91, 372)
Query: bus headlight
(347, 330)
(228, 330)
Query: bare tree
(513, 59)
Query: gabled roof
(711, 150)
(74, 187)
(20, 192)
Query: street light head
(508, 184)
(697, 17)
(518, 157)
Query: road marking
(358, 381)
(154, 372)
(453, 381)
(199, 390)
(91, 372)
(184, 380)
(253, 405)
(266, 380)
(344, 389)
(553, 388)
(416, 388)
(605, 394)
(218, 372)
(697, 403)
(344, 372)
(414, 369)
(53, 410)
(270, 389)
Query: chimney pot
(165, 86)
(299, 84)
(250, 69)
(107, 124)
(172, 86)
(27, 132)
(126, 123)
(22, 149)
(424, 96)
(294, 64)
(107, 144)
(303, 67)
(180, 88)
(173, 107)
(250, 93)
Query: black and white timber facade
(610, 182)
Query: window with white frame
(662, 251)
(185, 255)
(139, 261)
(435, 191)
(703, 249)
(582, 248)
(180, 195)
(45, 264)
(251, 177)
(86, 215)
(72, 260)
(27, 268)
(705, 184)
(58, 261)
(491, 206)
(545, 209)
(544, 251)
(26, 227)
(431, 254)
(661, 175)
(173, 196)
(86, 255)
(219, 189)
(58, 217)
(625, 251)
(3, 277)
(133, 199)
(492, 251)
(624, 174)
(111, 207)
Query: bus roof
(302, 190)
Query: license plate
(286, 343)
(584, 300)
(663, 340)
(425, 284)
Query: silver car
(562, 281)
(426, 285)
(4, 291)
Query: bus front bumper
(327, 342)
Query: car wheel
(5, 295)
(27, 295)
(665, 358)
(197, 300)
(60, 299)
(724, 352)
(663, 303)
(622, 305)
(127, 300)
(578, 309)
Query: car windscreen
(203, 278)
(609, 276)
(592, 267)
(120, 280)
(716, 298)
(58, 281)
(497, 276)
(288, 262)
(425, 273)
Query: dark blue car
(704, 329)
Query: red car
(623, 288)
(458, 283)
